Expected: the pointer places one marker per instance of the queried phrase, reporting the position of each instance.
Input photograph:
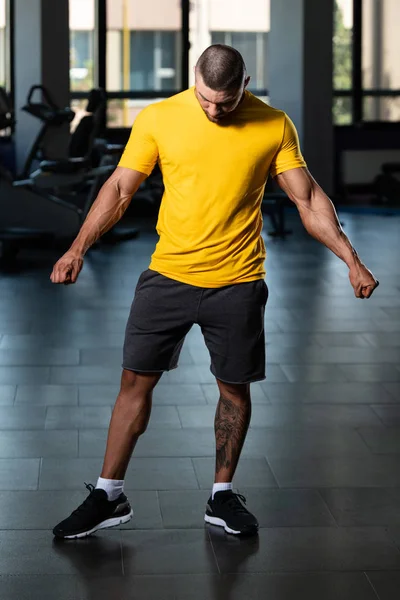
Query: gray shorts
(231, 320)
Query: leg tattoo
(231, 424)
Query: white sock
(220, 487)
(113, 487)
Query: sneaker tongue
(100, 494)
(223, 494)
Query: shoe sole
(103, 525)
(222, 523)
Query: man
(216, 144)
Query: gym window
(366, 47)
(253, 47)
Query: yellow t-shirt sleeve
(289, 154)
(141, 151)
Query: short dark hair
(222, 68)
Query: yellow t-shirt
(210, 219)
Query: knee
(143, 383)
(135, 399)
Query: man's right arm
(108, 208)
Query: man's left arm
(320, 220)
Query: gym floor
(320, 467)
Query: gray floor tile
(288, 508)
(308, 549)
(98, 395)
(313, 586)
(25, 342)
(318, 442)
(108, 357)
(78, 417)
(92, 443)
(381, 440)
(393, 313)
(37, 509)
(274, 374)
(47, 326)
(352, 311)
(34, 444)
(163, 417)
(68, 473)
(196, 416)
(183, 509)
(173, 442)
(371, 471)
(143, 473)
(348, 356)
(382, 339)
(290, 340)
(15, 327)
(22, 417)
(314, 373)
(161, 474)
(7, 394)
(87, 374)
(385, 583)
(61, 395)
(67, 339)
(25, 375)
(33, 587)
(394, 534)
(390, 325)
(376, 372)
(146, 510)
(167, 551)
(393, 389)
(389, 415)
(100, 554)
(98, 417)
(328, 393)
(364, 507)
(164, 394)
(251, 472)
(46, 356)
(19, 474)
(148, 587)
(331, 326)
(188, 374)
(329, 340)
(177, 394)
(199, 353)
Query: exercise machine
(52, 201)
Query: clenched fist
(67, 269)
(362, 281)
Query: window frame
(357, 92)
(100, 53)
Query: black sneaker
(228, 510)
(96, 512)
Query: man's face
(218, 105)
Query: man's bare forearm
(321, 221)
(108, 208)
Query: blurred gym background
(333, 66)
